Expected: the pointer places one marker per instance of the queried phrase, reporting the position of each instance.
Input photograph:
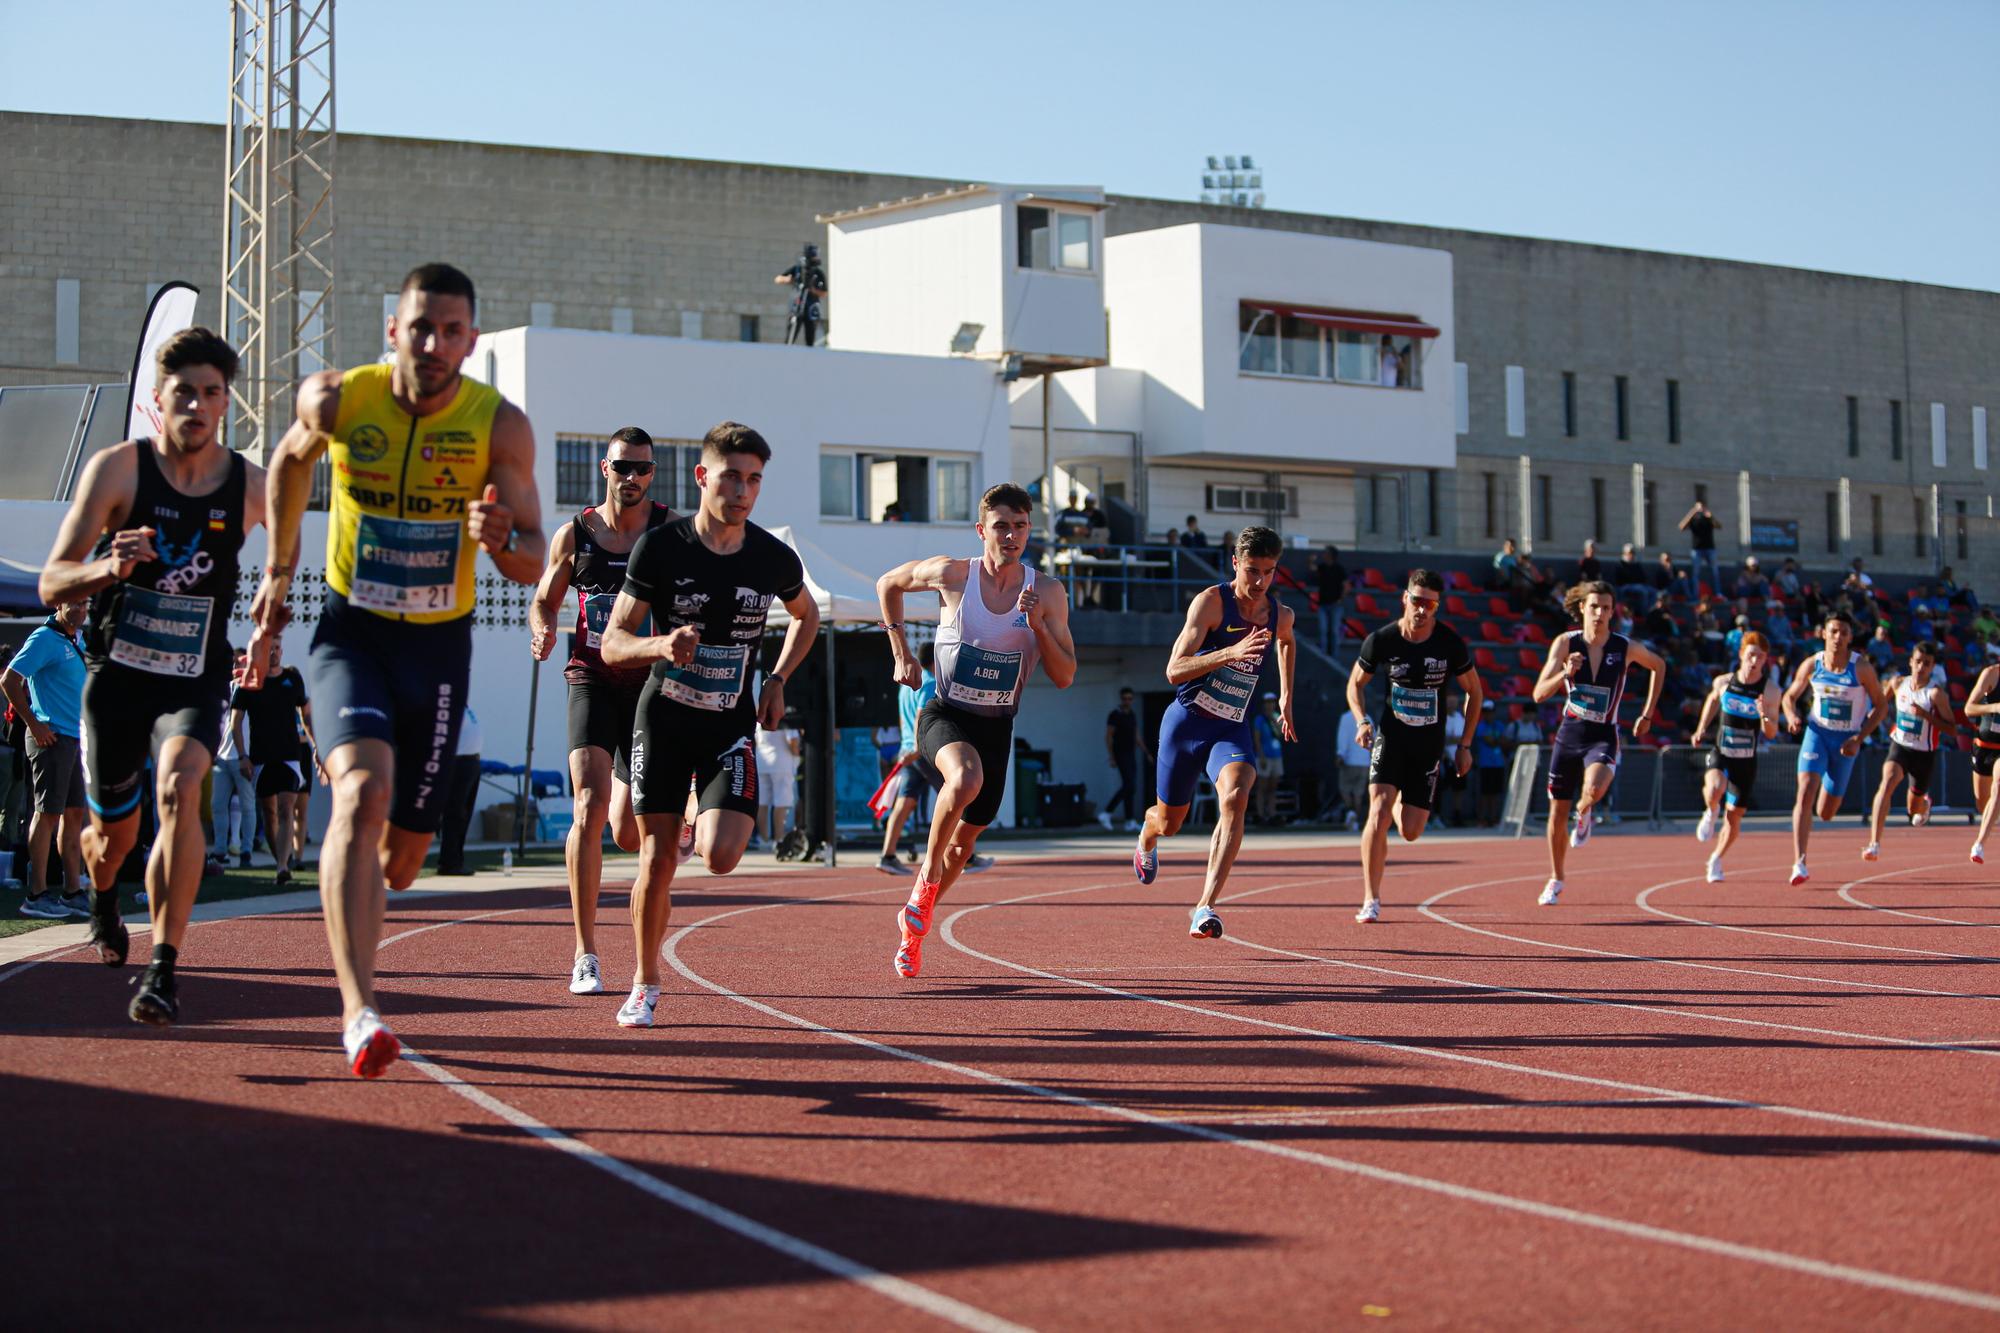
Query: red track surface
(1661, 1104)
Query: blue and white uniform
(1839, 707)
(1588, 733)
(1207, 726)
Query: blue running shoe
(1204, 924)
(1145, 864)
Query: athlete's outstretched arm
(1796, 692)
(1288, 662)
(1048, 616)
(104, 492)
(1710, 706)
(507, 522)
(1769, 710)
(287, 488)
(549, 594)
(799, 640)
(1357, 704)
(1637, 654)
(1556, 671)
(933, 574)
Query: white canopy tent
(845, 595)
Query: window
(1701, 492)
(1048, 238)
(1569, 404)
(1357, 358)
(1875, 525)
(1921, 521)
(895, 488)
(1492, 503)
(1461, 381)
(1225, 499)
(542, 314)
(954, 490)
(1351, 347)
(1895, 428)
(746, 328)
(1979, 438)
(68, 301)
(1516, 380)
(577, 480)
(690, 323)
(1853, 426)
(1833, 523)
(1647, 522)
(1597, 526)
(1940, 440)
(836, 485)
(1621, 405)
(1673, 411)
(1301, 348)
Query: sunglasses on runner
(627, 467)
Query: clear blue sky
(1860, 138)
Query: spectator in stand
(1629, 577)
(1750, 582)
(1505, 561)
(1172, 537)
(1857, 582)
(1192, 535)
(1787, 580)
(1700, 525)
(1881, 649)
(1732, 642)
(1228, 542)
(1778, 628)
(1354, 761)
(1658, 627)
(1391, 364)
(1985, 623)
(1589, 569)
(1669, 581)
(44, 683)
(1949, 587)
(1931, 601)
(1537, 585)
(1708, 630)
(1623, 623)
(1489, 761)
(1332, 576)
(1812, 606)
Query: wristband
(890, 624)
(773, 678)
(280, 571)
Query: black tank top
(1987, 737)
(1590, 710)
(595, 578)
(1739, 728)
(170, 617)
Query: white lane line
(949, 930)
(1643, 901)
(897, 1289)
(1845, 983)
(1847, 892)
(1780, 1259)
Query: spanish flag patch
(217, 524)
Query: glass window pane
(1073, 231)
(1032, 235)
(954, 491)
(1355, 360)
(1301, 348)
(1258, 337)
(836, 486)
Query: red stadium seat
(1368, 606)
(1374, 578)
(1454, 605)
(1531, 660)
(1534, 633)
(1484, 659)
(1457, 580)
(1514, 712)
(1491, 632)
(1498, 606)
(1524, 686)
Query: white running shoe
(1706, 828)
(1551, 891)
(637, 1011)
(1204, 924)
(1872, 852)
(1978, 853)
(1799, 873)
(584, 978)
(1370, 911)
(1921, 817)
(1585, 821)
(371, 1047)
(1715, 870)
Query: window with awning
(1378, 348)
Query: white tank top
(984, 658)
(1911, 729)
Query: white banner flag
(171, 311)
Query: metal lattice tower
(277, 259)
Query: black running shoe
(282, 878)
(107, 931)
(155, 1003)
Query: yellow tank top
(396, 542)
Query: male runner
(708, 580)
(998, 619)
(1743, 705)
(163, 519)
(1840, 681)
(1206, 729)
(1919, 711)
(275, 710)
(1406, 753)
(588, 555)
(1588, 666)
(1982, 707)
(429, 468)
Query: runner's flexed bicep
(940, 574)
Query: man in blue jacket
(44, 683)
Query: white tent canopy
(844, 594)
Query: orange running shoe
(914, 920)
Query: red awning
(1355, 321)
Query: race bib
(1413, 708)
(1838, 711)
(1589, 703)
(1909, 724)
(1225, 693)
(982, 676)
(1740, 705)
(713, 681)
(403, 565)
(161, 632)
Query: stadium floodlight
(966, 338)
(1248, 165)
(1230, 161)
(1213, 165)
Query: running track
(1662, 1104)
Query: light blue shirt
(910, 702)
(53, 667)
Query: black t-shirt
(1332, 582)
(1416, 673)
(728, 596)
(272, 714)
(1702, 528)
(1124, 731)
(1589, 569)
(1628, 572)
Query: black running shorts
(127, 716)
(1413, 773)
(278, 779)
(1916, 763)
(603, 713)
(1983, 759)
(992, 738)
(378, 679)
(674, 745)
